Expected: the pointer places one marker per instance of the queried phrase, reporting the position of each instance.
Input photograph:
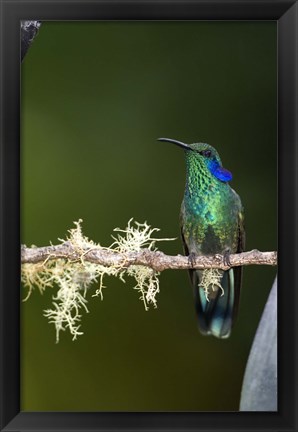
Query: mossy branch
(156, 260)
(75, 265)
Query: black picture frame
(286, 14)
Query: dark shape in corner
(29, 30)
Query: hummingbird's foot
(226, 258)
(192, 259)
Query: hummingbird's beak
(178, 143)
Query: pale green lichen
(74, 278)
(135, 237)
(211, 279)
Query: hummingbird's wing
(195, 280)
(238, 270)
(217, 315)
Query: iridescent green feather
(211, 223)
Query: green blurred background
(95, 96)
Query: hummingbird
(211, 222)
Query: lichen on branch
(75, 265)
(74, 274)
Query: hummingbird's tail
(217, 311)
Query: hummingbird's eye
(206, 153)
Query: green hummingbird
(211, 221)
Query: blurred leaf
(259, 391)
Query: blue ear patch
(222, 174)
(219, 172)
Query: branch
(156, 260)
(77, 263)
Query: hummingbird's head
(205, 157)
